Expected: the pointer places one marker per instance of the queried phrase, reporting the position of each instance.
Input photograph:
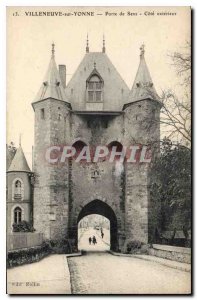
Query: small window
(42, 116)
(17, 190)
(17, 215)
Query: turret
(143, 107)
(51, 128)
(19, 195)
(142, 126)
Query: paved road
(101, 245)
(103, 273)
(48, 276)
(96, 272)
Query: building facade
(19, 191)
(95, 108)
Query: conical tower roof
(19, 162)
(52, 85)
(143, 87)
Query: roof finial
(142, 51)
(94, 65)
(20, 140)
(103, 50)
(87, 44)
(53, 50)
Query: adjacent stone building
(19, 191)
(95, 108)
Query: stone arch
(119, 148)
(79, 139)
(21, 195)
(102, 208)
(115, 140)
(12, 213)
(78, 145)
(115, 143)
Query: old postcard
(98, 150)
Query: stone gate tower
(95, 108)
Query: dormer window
(94, 89)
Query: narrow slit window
(42, 114)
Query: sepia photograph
(98, 150)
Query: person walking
(102, 234)
(94, 240)
(90, 240)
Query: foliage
(176, 109)
(33, 254)
(24, 256)
(60, 246)
(135, 246)
(23, 226)
(176, 116)
(182, 63)
(171, 186)
(11, 147)
(10, 152)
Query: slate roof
(115, 90)
(116, 93)
(19, 162)
(143, 87)
(52, 86)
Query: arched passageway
(101, 208)
(94, 233)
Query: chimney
(62, 72)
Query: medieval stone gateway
(96, 107)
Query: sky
(29, 40)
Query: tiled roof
(19, 162)
(115, 91)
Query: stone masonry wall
(62, 190)
(51, 184)
(107, 185)
(141, 123)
